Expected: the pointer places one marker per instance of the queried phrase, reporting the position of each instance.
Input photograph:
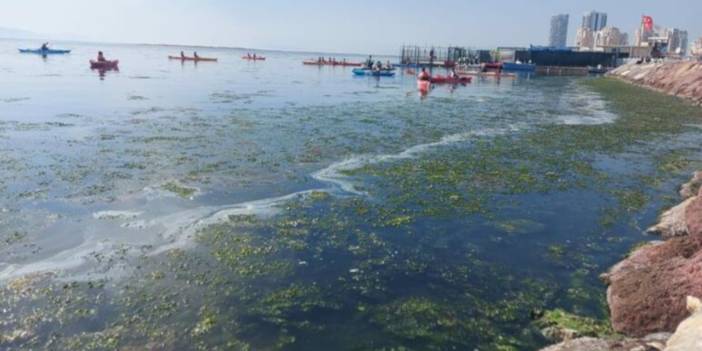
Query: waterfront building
(666, 41)
(559, 31)
(585, 39)
(696, 49)
(594, 21)
(610, 37)
(607, 37)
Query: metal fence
(417, 55)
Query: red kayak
(257, 58)
(104, 64)
(449, 80)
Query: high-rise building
(559, 31)
(677, 41)
(696, 49)
(594, 21)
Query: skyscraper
(559, 31)
(594, 21)
(677, 41)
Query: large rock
(673, 222)
(692, 187)
(688, 336)
(647, 291)
(678, 220)
(693, 217)
(655, 342)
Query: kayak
(447, 80)
(197, 59)
(257, 58)
(423, 85)
(44, 52)
(342, 64)
(367, 72)
(106, 65)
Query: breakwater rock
(651, 293)
(648, 290)
(679, 78)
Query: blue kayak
(368, 72)
(44, 51)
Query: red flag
(648, 23)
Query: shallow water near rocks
(272, 206)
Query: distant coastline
(39, 37)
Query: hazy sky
(378, 26)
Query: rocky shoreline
(653, 293)
(678, 78)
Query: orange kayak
(186, 58)
(257, 58)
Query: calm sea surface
(271, 205)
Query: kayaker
(369, 63)
(195, 55)
(101, 57)
(254, 56)
(453, 74)
(182, 55)
(424, 75)
(44, 46)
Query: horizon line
(296, 51)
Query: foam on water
(142, 227)
(178, 229)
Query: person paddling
(195, 55)
(424, 75)
(45, 47)
(101, 57)
(182, 55)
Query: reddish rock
(647, 291)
